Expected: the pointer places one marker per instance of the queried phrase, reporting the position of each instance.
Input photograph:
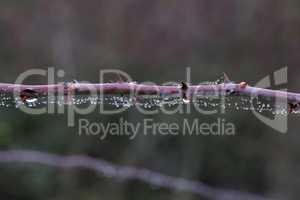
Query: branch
(121, 88)
(110, 170)
(143, 89)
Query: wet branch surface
(187, 92)
(143, 89)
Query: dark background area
(152, 41)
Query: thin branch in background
(119, 172)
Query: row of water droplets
(207, 102)
(240, 103)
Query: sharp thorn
(226, 78)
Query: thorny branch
(187, 92)
(124, 173)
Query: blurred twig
(124, 173)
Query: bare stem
(110, 170)
(141, 89)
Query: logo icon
(280, 121)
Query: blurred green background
(151, 41)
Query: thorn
(226, 78)
(184, 86)
(243, 85)
(120, 79)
